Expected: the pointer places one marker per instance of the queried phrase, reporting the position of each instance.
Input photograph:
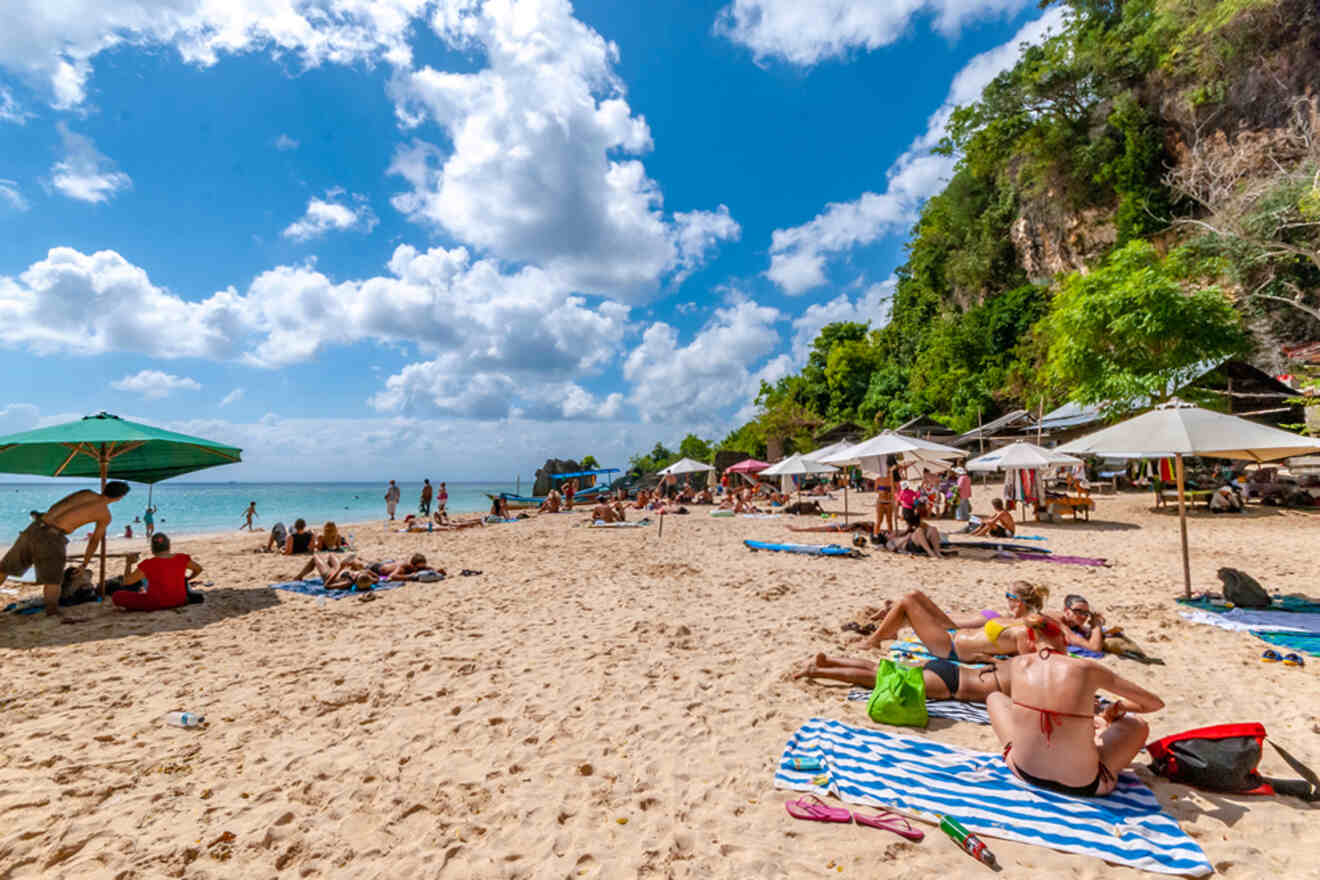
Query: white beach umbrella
(1177, 429)
(796, 466)
(891, 443)
(820, 454)
(1021, 456)
(685, 466)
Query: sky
(387, 239)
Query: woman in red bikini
(1053, 737)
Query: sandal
(813, 809)
(1270, 656)
(1293, 660)
(887, 821)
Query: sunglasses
(1012, 597)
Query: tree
(589, 463)
(695, 448)
(1137, 328)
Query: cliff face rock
(543, 482)
(1049, 240)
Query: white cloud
(84, 173)
(154, 384)
(541, 167)
(872, 306)
(490, 332)
(10, 111)
(804, 32)
(19, 417)
(233, 396)
(798, 256)
(673, 383)
(332, 214)
(284, 143)
(10, 193)
(54, 43)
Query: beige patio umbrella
(1177, 429)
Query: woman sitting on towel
(330, 539)
(1051, 735)
(608, 513)
(939, 633)
(944, 679)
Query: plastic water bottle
(970, 843)
(184, 719)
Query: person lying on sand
(328, 567)
(994, 637)
(921, 537)
(864, 525)
(457, 525)
(1082, 626)
(609, 513)
(1000, 525)
(804, 508)
(1024, 599)
(944, 679)
(1051, 735)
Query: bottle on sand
(970, 843)
(184, 719)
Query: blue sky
(458, 236)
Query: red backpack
(1224, 758)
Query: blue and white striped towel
(927, 779)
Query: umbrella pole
(105, 464)
(1182, 525)
(845, 501)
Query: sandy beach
(596, 703)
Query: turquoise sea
(184, 508)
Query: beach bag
(899, 696)
(1243, 590)
(1224, 758)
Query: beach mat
(954, 710)
(315, 587)
(927, 779)
(1307, 643)
(1279, 603)
(807, 549)
(1003, 546)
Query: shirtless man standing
(44, 544)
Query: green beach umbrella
(110, 448)
(107, 447)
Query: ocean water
(199, 508)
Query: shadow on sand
(98, 622)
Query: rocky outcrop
(543, 482)
(1050, 241)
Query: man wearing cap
(964, 509)
(44, 543)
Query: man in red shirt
(166, 575)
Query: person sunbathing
(1082, 626)
(944, 679)
(1052, 736)
(457, 525)
(1000, 525)
(607, 513)
(330, 539)
(920, 537)
(299, 540)
(743, 505)
(805, 508)
(937, 632)
(1024, 599)
(551, 502)
(704, 497)
(643, 499)
(499, 508)
(401, 571)
(328, 567)
(862, 525)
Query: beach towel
(760, 515)
(1246, 621)
(1279, 603)
(315, 587)
(1308, 643)
(1060, 560)
(928, 779)
(601, 524)
(954, 710)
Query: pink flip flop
(887, 821)
(813, 809)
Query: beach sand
(597, 703)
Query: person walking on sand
(391, 499)
(149, 521)
(441, 504)
(424, 506)
(248, 516)
(44, 543)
